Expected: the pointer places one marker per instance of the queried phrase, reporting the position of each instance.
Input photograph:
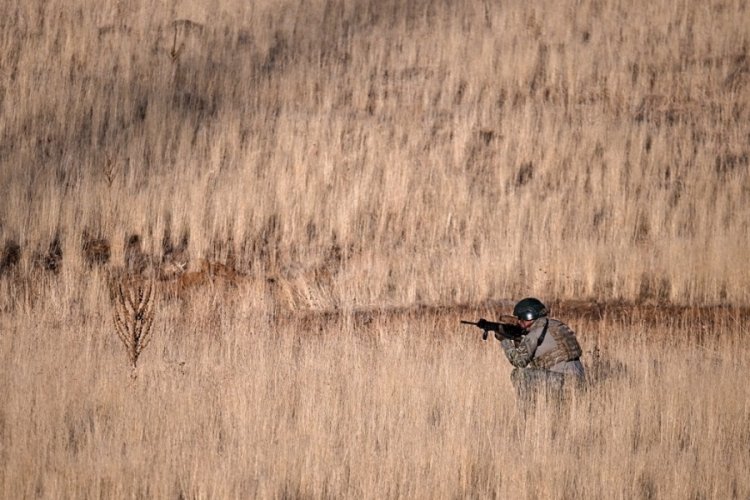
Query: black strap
(544, 333)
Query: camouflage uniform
(544, 358)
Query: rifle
(510, 330)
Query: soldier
(546, 356)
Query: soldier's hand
(507, 344)
(498, 335)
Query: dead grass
(231, 403)
(321, 190)
(603, 156)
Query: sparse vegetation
(315, 192)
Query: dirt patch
(697, 321)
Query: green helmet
(530, 308)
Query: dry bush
(133, 302)
(10, 256)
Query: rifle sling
(544, 333)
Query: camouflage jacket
(549, 344)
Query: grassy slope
(451, 153)
(375, 155)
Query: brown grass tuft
(136, 261)
(133, 314)
(175, 259)
(51, 259)
(10, 256)
(96, 251)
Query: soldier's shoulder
(559, 325)
(546, 321)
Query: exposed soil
(698, 322)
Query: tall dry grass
(353, 160)
(453, 152)
(228, 403)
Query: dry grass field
(318, 191)
(229, 403)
